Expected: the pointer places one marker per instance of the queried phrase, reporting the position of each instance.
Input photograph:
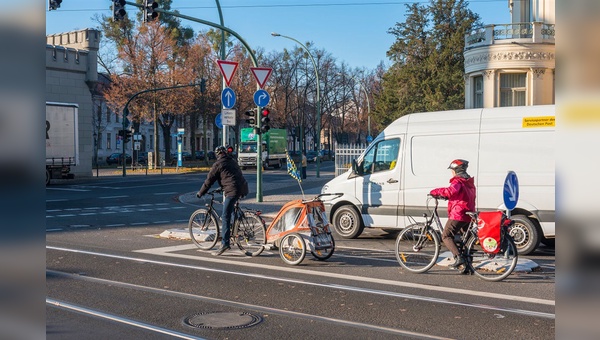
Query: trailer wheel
(347, 222)
(48, 177)
(525, 233)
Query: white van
(392, 177)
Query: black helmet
(220, 149)
(459, 165)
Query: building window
(477, 92)
(151, 142)
(108, 141)
(116, 117)
(513, 89)
(108, 116)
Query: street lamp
(318, 95)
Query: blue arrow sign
(218, 121)
(511, 190)
(228, 98)
(261, 98)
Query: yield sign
(261, 74)
(228, 68)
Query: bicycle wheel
(292, 249)
(492, 267)
(251, 234)
(204, 229)
(417, 248)
(325, 253)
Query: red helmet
(459, 165)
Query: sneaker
(458, 260)
(221, 250)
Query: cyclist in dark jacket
(226, 171)
(461, 199)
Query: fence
(344, 154)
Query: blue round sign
(219, 121)
(261, 98)
(228, 98)
(369, 139)
(511, 190)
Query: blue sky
(353, 31)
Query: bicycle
(248, 230)
(418, 247)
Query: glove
(198, 194)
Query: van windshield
(381, 156)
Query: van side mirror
(355, 168)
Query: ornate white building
(512, 64)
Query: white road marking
(165, 193)
(109, 197)
(57, 200)
(242, 305)
(115, 225)
(67, 189)
(53, 210)
(57, 229)
(167, 251)
(64, 305)
(65, 215)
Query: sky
(353, 31)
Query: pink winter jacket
(461, 197)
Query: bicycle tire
(204, 229)
(324, 254)
(417, 248)
(292, 249)
(251, 234)
(492, 267)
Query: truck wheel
(526, 234)
(347, 222)
(48, 177)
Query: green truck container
(274, 145)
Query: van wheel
(347, 222)
(526, 234)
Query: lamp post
(318, 95)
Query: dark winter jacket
(227, 172)
(460, 195)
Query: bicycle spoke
(417, 248)
(492, 267)
(203, 229)
(251, 234)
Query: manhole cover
(222, 320)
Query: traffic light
(127, 136)
(149, 13)
(202, 85)
(264, 120)
(119, 10)
(53, 4)
(251, 118)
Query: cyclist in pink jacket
(461, 199)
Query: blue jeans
(228, 205)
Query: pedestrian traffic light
(251, 118)
(119, 10)
(264, 120)
(149, 13)
(53, 4)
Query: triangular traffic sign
(228, 69)
(261, 74)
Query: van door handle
(391, 180)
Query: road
(109, 275)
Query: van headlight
(324, 189)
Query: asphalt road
(109, 275)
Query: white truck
(390, 180)
(62, 147)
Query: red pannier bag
(488, 223)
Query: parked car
(142, 158)
(186, 156)
(200, 155)
(328, 155)
(211, 155)
(117, 158)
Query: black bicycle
(418, 247)
(248, 227)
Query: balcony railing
(525, 32)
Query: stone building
(512, 64)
